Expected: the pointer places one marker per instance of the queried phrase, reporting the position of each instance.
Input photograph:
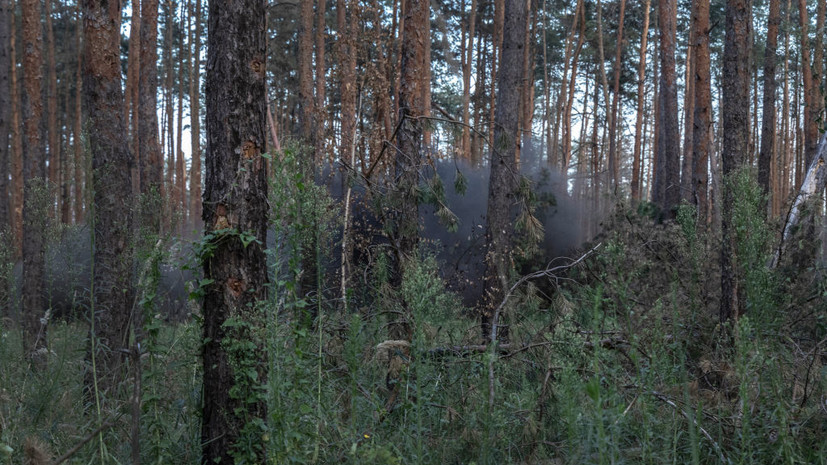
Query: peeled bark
(813, 185)
(235, 204)
(503, 180)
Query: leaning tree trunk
(814, 183)
(112, 181)
(235, 223)
(503, 179)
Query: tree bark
(701, 132)
(5, 112)
(768, 124)
(111, 163)
(466, 83)
(688, 117)
(503, 179)
(641, 85)
(35, 193)
(150, 156)
(16, 143)
(51, 105)
(305, 62)
(811, 91)
(180, 204)
(77, 131)
(319, 126)
(614, 162)
(735, 110)
(666, 188)
(195, 118)
(235, 206)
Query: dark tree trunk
(812, 96)
(641, 85)
(614, 161)
(151, 167)
(666, 189)
(504, 176)
(52, 125)
(305, 62)
(701, 140)
(768, 125)
(195, 120)
(112, 181)
(235, 205)
(735, 111)
(5, 112)
(35, 194)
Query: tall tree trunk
(79, 161)
(666, 188)
(496, 50)
(35, 194)
(409, 138)
(735, 110)
(811, 89)
(180, 182)
(5, 112)
(319, 125)
(16, 143)
(526, 90)
(111, 163)
(701, 133)
(426, 80)
(234, 405)
(466, 82)
(51, 105)
(130, 108)
(503, 179)
(151, 157)
(768, 124)
(614, 161)
(641, 85)
(688, 117)
(572, 86)
(346, 46)
(195, 120)
(563, 95)
(305, 62)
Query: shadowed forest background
(413, 231)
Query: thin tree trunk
(16, 143)
(5, 111)
(51, 105)
(320, 112)
(768, 124)
(466, 82)
(131, 94)
(614, 161)
(641, 85)
(195, 121)
(78, 136)
(563, 93)
(305, 63)
(687, 173)
(701, 132)
(496, 50)
(180, 203)
(234, 404)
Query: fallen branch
(706, 434)
(82, 443)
